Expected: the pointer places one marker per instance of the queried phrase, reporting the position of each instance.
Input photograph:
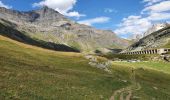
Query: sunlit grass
(159, 66)
(28, 72)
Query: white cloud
(159, 16)
(62, 6)
(74, 14)
(90, 22)
(5, 6)
(151, 2)
(157, 11)
(159, 7)
(133, 25)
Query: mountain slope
(22, 37)
(50, 26)
(28, 72)
(157, 39)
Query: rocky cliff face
(155, 28)
(49, 25)
(157, 39)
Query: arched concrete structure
(149, 51)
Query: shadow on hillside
(12, 33)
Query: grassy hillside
(153, 78)
(28, 72)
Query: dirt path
(129, 95)
(128, 91)
(123, 93)
(120, 94)
(115, 94)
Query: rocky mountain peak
(46, 16)
(46, 10)
(42, 15)
(155, 28)
(48, 25)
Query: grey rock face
(156, 39)
(49, 25)
(155, 28)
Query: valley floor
(32, 73)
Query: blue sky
(124, 17)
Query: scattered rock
(101, 96)
(101, 65)
(155, 88)
(125, 81)
(136, 97)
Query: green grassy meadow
(32, 73)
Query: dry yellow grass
(39, 48)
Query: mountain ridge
(49, 25)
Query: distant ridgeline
(155, 43)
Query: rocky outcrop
(49, 25)
(156, 39)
